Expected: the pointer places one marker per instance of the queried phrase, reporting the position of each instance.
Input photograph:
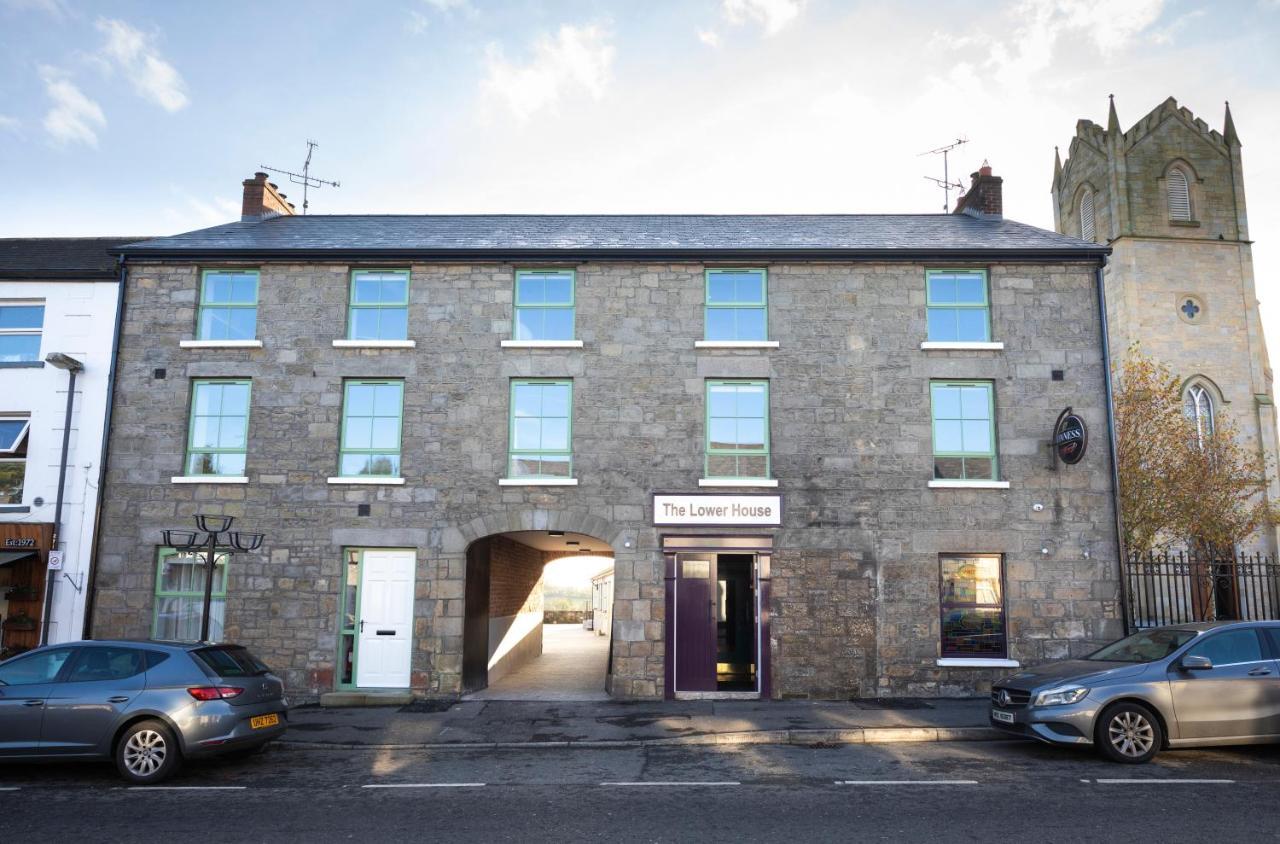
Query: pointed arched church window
(1087, 231)
(1179, 195)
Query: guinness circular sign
(1070, 438)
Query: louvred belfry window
(1179, 195)
(1087, 231)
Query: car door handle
(33, 703)
(1259, 672)
(118, 699)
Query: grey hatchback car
(1186, 685)
(147, 705)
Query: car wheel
(147, 753)
(1129, 733)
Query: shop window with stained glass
(179, 604)
(972, 601)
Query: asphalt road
(959, 791)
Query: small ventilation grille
(1179, 196)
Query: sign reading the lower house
(750, 510)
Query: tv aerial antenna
(945, 182)
(304, 178)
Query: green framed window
(959, 307)
(349, 618)
(964, 430)
(737, 429)
(371, 425)
(544, 305)
(179, 598)
(219, 437)
(379, 305)
(541, 434)
(228, 305)
(737, 305)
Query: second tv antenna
(945, 182)
(304, 178)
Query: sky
(142, 118)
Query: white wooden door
(386, 619)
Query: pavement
(514, 723)
(572, 667)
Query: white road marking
(1164, 782)
(9, 788)
(675, 782)
(906, 782)
(187, 787)
(424, 785)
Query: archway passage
(513, 647)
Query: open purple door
(695, 627)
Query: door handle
(1259, 672)
(362, 625)
(33, 703)
(118, 699)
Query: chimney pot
(985, 195)
(262, 200)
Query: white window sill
(374, 344)
(209, 479)
(542, 344)
(368, 480)
(947, 484)
(958, 662)
(735, 344)
(930, 345)
(537, 481)
(220, 344)
(754, 482)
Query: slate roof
(603, 235)
(66, 258)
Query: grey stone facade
(855, 608)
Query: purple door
(695, 627)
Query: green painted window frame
(512, 452)
(195, 595)
(761, 305)
(343, 451)
(518, 306)
(206, 305)
(192, 451)
(352, 630)
(353, 306)
(992, 455)
(736, 452)
(984, 306)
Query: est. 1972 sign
(1070, 438)
(754, 510)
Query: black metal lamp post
(218, 538)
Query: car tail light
(214, 692)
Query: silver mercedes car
(147, 705)
(1187, 685)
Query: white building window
(1179, 195)
(13, 457)
(1198, 405)
(1087, 231)
(20, 327)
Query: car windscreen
(1145, 646)
(231, 662)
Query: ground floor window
(973, 622)
(348, 620)
(179, 605)
(13, 457)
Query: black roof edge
(1084, 253)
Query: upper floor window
(541, 429)
(1179, 195)
(737, 429)
(13, 457)
(228, 305)
(737, 308)
(371, 427)
(379, 305)
(1197, 403)
(959, 308)
(964, 430)
(1087, 231)
(544, 305)
(219, 439)
(20, 327)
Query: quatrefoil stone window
(1191, 309)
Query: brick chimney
(263, 200)
(984, 197)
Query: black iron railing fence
(1177, 587)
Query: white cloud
(134, 52)
(57, 9)
(576, 57)
(773, 15)
(74, 117)
(709, 37)
(417, 23)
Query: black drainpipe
(1111, 441)
(91, 579)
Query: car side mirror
(1195, 663)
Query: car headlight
(1062, 695)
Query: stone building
(815, 447)
(1168, 197)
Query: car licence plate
(264, 721)
(1005, 717)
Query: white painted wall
(79, 320)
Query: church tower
(1168, 195)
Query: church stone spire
(1229, 129)
(1113, 122)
